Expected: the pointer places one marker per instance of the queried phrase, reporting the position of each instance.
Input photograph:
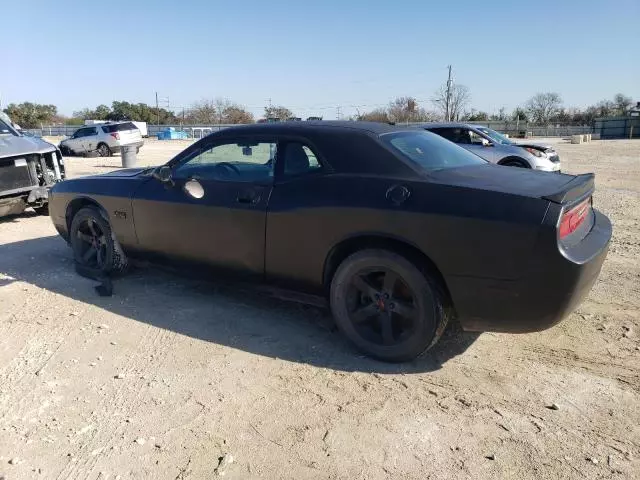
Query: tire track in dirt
(114, 409)
(598, 365)
(129, 405)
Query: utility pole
(448, 102)
(157, 111)
(338, 113)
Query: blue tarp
(171, 133)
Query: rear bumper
(556, 282)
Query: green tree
(478, 116)
(140, 112)
(520, 115)
(31, 115)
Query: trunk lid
(517, 181)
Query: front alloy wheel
(93, 243)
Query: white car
(105, 139)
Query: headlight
(535, 152)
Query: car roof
(453, 125)
(450, 125)
(371, 128)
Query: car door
(75, 142)
(89, 140)
(213, 209)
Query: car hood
(11, 145)
(124, 172)
(511, 180)
(536, 146)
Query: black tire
(395, 328)
(515, 162)
(93, 243)
(103, 150)
(42, 210)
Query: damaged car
(497, 148)
(29, 167)
(398, 229)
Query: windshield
(430, 151)
(495, 136)
(6, 126)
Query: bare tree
(542, 107)
(277, 111)
(622, 103)
(377, 115)
(459, 98)
(236, 114)
(202, 113)
(406, 109)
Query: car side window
(299, 159)
(231, 162)
(91, 131)
(78, 133)
(475, 138)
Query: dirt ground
(170, 375)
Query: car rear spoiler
(578, 188)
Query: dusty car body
(398, 228)
(29, 167)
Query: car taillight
(572, 219)
(115, 135)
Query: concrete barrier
(595, 136)
(576, 139)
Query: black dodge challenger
(399, 228)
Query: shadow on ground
(238, 317)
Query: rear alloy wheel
(104, 150)
(386, 306)
(93, 244)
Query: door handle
(248, 197)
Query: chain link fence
(512, 128)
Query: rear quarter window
(119, 127)
(430, 151)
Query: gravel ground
(175, 378)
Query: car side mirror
(164, 174)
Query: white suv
(105, 139)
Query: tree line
(541, 109)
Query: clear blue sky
(315, 55)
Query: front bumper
(557, 280)
(548, 166)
